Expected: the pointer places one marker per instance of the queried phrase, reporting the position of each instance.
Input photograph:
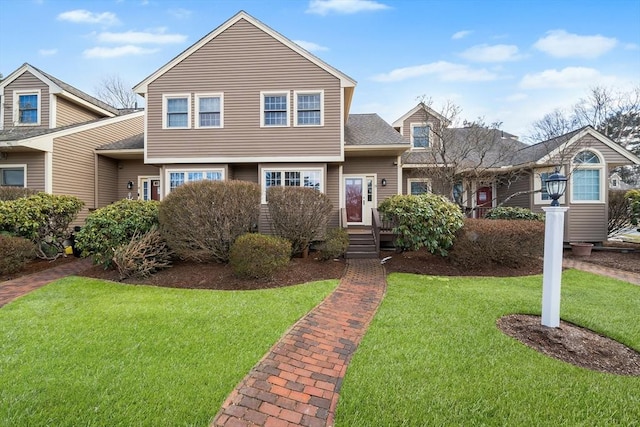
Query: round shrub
(428, 220)
(259, 256)
(114, 225)
(514, 213)
(335, 244)
(14, 253)
(201, 220)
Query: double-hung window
(178, 177)
(275, 109)
(308, 111)
(209, 110)
(420, 135)
(586, 178)
(176, 111)
(308, 178)
(13, 176)
(27, 108)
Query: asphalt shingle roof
(135, 142)
(370, 129)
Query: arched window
(586, 178)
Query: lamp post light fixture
(553, 236)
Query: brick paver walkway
(627, 276)
(298, 381)
(12, 289)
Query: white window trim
(197, 108)
(16, 106)
(165, 98)
(272, 93)
(537, 186)
(295, 107)
(423, 180)
(590, 166)
(165, 187)
(16, 166)
(421, 124)
(264, 170)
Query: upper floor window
(586, 178)
(209, 110)
(179, 177)
(420, 135)
(27, 107)
(12, 176)
(275, 109)
(176, 111)
(308, 111)
(309, 178)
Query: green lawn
(433, 356)
(82, 352)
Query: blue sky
(503, 60)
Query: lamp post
(553, 236)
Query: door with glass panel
(359, 199)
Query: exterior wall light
(384, 182)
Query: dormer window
(27, 108)
(420, 134)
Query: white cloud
(445, 71)
(85, 17)
(114, 52)
(324, 7)
(142, 37)
(631, 46)
(569, 77)
(516, 97)
(460, 34)
(494, 53)
(560, 44)
(180, 13)
(48, 52)
(310, 46)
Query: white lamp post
(553, 236)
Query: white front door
(359, 194)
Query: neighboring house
(616, 183)
(48, 134)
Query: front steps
(361, 244)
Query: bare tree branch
(114, 91)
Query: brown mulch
(629, 261)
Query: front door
(359, 199)
(484, 201)
(149, 188)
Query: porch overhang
(124, 154)
(375, 150)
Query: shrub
(511, 243)
(427, 220)
(259, 256)
(514, 213)
(114, 225)
(619, 207)
(145, 254)
(42, 218)
(335, 244)
(14, 253)
(13, 193)
(299, 215)
(634, 201)
(201, 220)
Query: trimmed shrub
(514, 213)
(259, 256)
(143, 255)
(201, 220)
(511, 243)
(115, 225)
(335, 244)
(14, 253)
(619, 206)
(42, 218)
(634, 201)
(427, 220)
(13, 193)
(298, 214)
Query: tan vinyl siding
(107, 179)
(332, 188)
(130, 170)
(520, 183)
(382, 166)
(420, 116)
(585, 143)
(244, 172)
(68, 113)
(241, 62)
(26, 81)
(74, 159)
(586, 223)
(35, 167)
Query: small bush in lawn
(13, 193)
(42, 218)
(14, 253)
(201, 220)
(335, 244)
(115, 225)
(514, 213)
(259, 256)
(298, 214)
(427, 220)
(511, 243)
(143, 255)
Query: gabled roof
(421, 106)
(371, 130)
(346, 81)
(59, 87)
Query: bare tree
(114, 91)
